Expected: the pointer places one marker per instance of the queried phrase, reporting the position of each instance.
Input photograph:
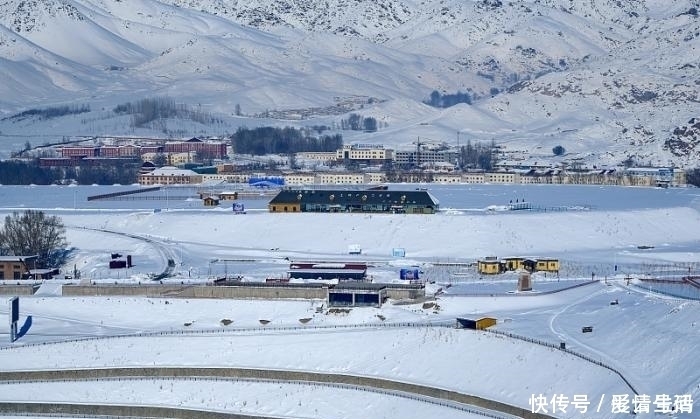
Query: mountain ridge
(607, 80)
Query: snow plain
(648, 337)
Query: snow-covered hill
(607, 80)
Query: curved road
(160, 245)
(451, 399)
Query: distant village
(197, 161)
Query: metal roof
(16, 258)
(361, 197)
(355, 285)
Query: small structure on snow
(476, 324)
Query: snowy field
(649, 338)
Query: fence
(432, 395)
(569, 351)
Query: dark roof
(405, 286)
(354, 285)
(326, 271)
(342, 196)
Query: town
(208, 160)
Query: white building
(169, 175)
(365, 152)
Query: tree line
(438, 100)
(477, 156)
(51, 112)
(272, 140)
(357, 122)
(15, 172)
(148, 110)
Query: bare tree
(34, 233)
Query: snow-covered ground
(647, 337)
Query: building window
(17, 275)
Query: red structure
(80, 151)
(328, 270)
(209, 149)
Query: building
(513, 263)
(204, 149)
(375, 177)
(169, 175)
(226, 177)
(79, 151)
(211, 201)
(228, 195)
(357, 294)
(333, 178)
(447, 178)
(341, 178)
(321, 156)
(366, 200)
(547, 265)
(476, 324)
(655, 176)
(120, 151)
(489, 266)
(492, 265)
(502, 177)
(365, 153)
(16, 267)
(328, 270)
(299, 178)
(425, 156)
(60, 161)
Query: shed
(356, 294)
(228, 196)
(211, 201)
(47, 273)
(476, 324)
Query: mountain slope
(607, 80)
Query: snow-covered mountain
(607, 80)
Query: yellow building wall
(485, 322)
(284, 208)
(488, 267)
(547, 265)
(513, 264)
